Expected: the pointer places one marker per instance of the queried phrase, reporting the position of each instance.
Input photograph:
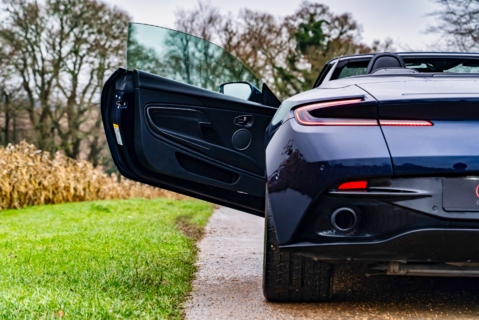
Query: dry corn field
(32, 177)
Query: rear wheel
(290, 277)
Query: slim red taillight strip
(305, 118)
(340, 122)
(406, 123)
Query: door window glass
(185, 58)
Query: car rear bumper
(424, 245)
(396, 220)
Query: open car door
(187, 116)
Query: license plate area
(460, 194)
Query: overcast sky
(404, 21)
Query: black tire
(292, 278)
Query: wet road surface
(228, 284)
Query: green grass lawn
(98, 260)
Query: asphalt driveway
(228, 284)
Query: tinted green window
(445, 64)
(182, 57)
(350, 72)
(350, 68)
(466, 67)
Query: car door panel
(186, 126)
(187, 121)
(179, 137)
(221, 118)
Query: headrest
(385, 60)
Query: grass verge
(107, 259)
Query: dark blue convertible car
(374, 170)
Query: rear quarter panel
(302, 161)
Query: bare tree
(12, 99)
(61, 51)
(94, 42)
(203, 21)
(261, 41)
(24, 35)
(287, 53)
(458, 24)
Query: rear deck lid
(450, 145)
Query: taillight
(406, 123)
(353, 185)
(304, 117)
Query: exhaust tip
(344, 219)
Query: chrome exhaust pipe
(344, 219)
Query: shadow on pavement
(409, 296)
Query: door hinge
(120, 103)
